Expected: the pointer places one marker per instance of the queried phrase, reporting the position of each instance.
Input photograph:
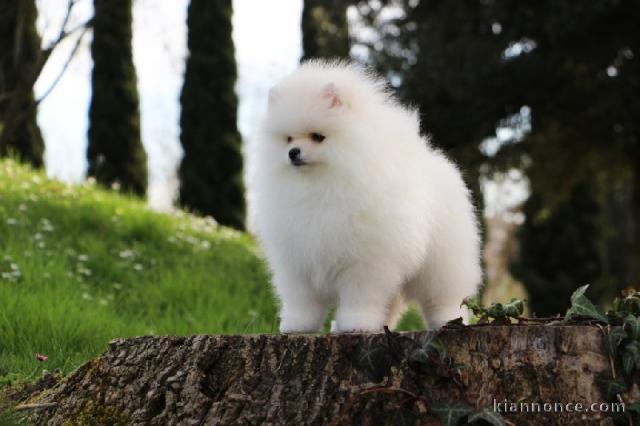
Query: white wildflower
(127, 254)
(46, 225)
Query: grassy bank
(80, 266)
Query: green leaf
(633, 349)
(610, 387)
(451, 414)
(488, 415)
(613, 339)
(579, 292)
(628, 362)
(629, 303)
(514, 309)
(635, 407)
(474, 304)
(633, 323)
(369, 358)
(496, 310)
(420, 356)
(439, 347)
(582, 306)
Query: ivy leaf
(582, 306)
(474, 304)
(633, 349)
(420, 356)
(635, 407)
(610, 387)
(449, 415)
(628, 363)
(633, 323)
(496, 310)
(439, 347)
(514, 309)
(369, 358)
(629, 303)
(488, 415)
(613, 339)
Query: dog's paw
(298, 325)
(358, 324)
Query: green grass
(80, 266)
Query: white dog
(353, 207)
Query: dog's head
(304, 122)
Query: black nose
(294, 154)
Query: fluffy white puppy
(354, 208)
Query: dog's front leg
(364, 297)
(302, 308)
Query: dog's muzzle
(294, 156)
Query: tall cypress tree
(19, 55)
(211, 169)
(325, 33)
(115, 151)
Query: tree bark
(330, 379)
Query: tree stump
(333, 379)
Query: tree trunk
(21, 61)
(115, 152)
(211, 169)
(331, 379)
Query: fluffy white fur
(375, 216)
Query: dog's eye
(289, 139)
(317, 137)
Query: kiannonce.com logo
(506, 406)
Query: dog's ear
(330, 93)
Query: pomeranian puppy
(355, 209)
